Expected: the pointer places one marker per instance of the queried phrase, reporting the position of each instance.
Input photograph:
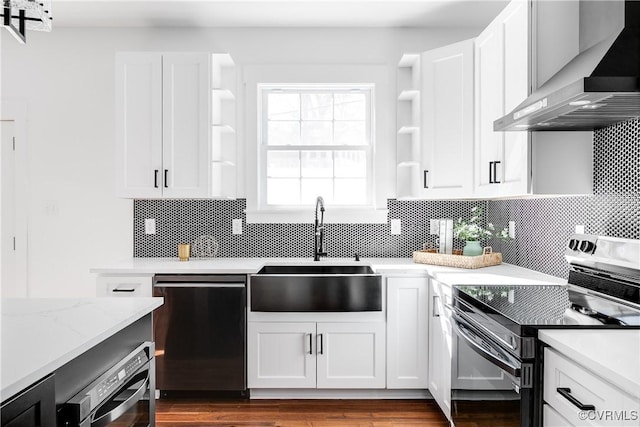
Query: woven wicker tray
(487, 259)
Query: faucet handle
(357, 257)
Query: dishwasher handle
(198, 285)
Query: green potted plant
(472, 232)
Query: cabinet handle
(155, 178)
(424, 178)
(495, 173)
(490, 172)
(566, 393)
(435, 311)
(310, 343)
(321, 351)
(123, 290)
(166, 178)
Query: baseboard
(296, 393)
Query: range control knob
(573, 244)
(587, 247)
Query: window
(315, 140)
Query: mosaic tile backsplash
(542, 224)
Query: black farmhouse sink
(316, 288)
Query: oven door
(489, 386)
(124, 395)
(130, 407)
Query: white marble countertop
(612, 354)
(40, 335)
(499, 274)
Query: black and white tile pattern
(542, 224)
(182, 221)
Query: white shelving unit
(223, 132)
(408, 126)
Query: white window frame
(382, 76)
(264, 89)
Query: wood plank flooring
(298, 413)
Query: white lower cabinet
(281, 355)
(407, 332)
(440, 346)
(582, 397)
(316, 355)
(350, 355)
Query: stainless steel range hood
(599, 87)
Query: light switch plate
(579, 229)
(236, 226)
(150, 226)
(396, 226)
(512, 229)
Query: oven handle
(121, 409)
(459, 326)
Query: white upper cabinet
(502, 66)
(447, 121)
(163, 125)
(138, 124)
(185, 124)
(408, 120)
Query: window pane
(317, 164)
(351, 164)
(283, 164)
(317, 133)
(283, 106)
(350, 191)
(283, 191)
(350, 106)
(317, 106)
(284, 133)
(314, 187)
(350, 133)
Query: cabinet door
(351, 355)
(281, 355)
(33, 407)
(186, 124)
(502, 82)
(488, 106)
(447, 106)
(138, 125)
(440, 346)
(407, 332)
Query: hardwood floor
(298, 413)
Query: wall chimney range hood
(599, 87)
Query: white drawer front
(124, 286)
(611, 406)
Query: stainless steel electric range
(500, 323)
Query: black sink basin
(318, 269)
(316, 288)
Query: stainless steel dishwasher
(200, 333)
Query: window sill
(331, 216)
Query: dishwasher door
(200, 333)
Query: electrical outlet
(150, 226)
(579, 229)
(434, 226)
(396, 226)
(236, 226)
(512, 229)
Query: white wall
(66, 78)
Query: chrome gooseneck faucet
(318, 248)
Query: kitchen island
(42, 336)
